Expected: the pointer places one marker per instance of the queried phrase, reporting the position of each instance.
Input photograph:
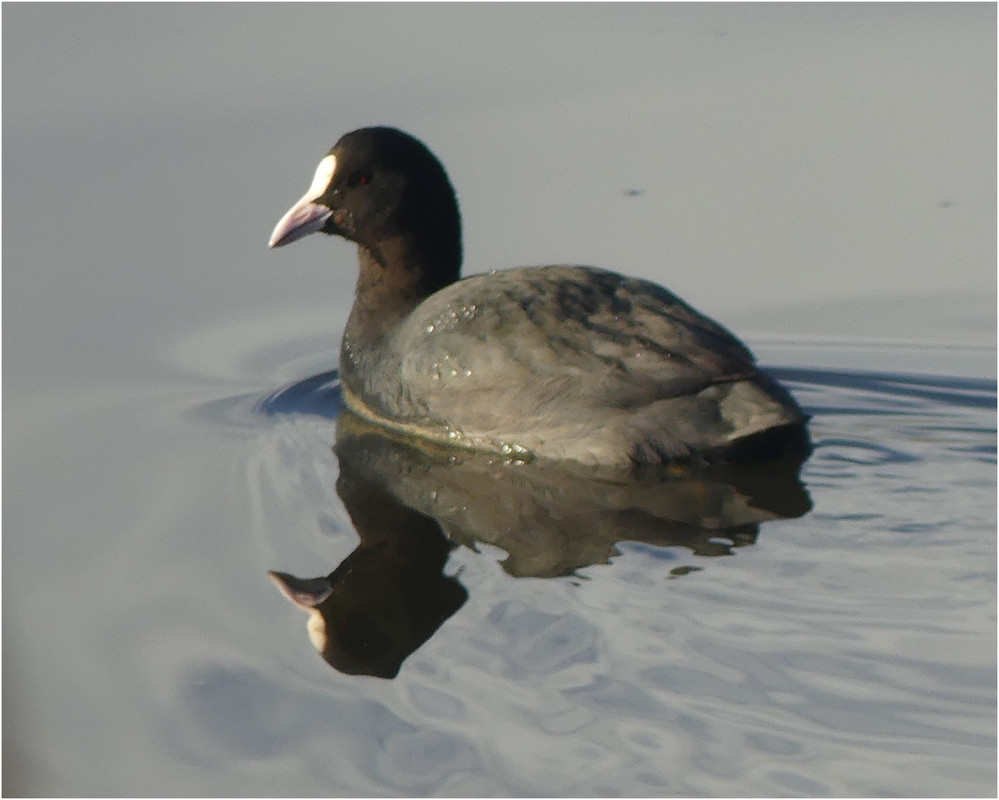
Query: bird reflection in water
(412, 503)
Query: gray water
(818, 178)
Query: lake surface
(818, 178)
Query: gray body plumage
(565, 363)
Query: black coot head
(376, 185)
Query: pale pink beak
(306, 593)
(301, 219)
(306, 216)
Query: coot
(556, 362)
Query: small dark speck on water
(946, 204)
(634, 192)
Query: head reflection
(388, 596)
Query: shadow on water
(412, 503)
(318, 396)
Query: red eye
(358, 179)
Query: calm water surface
(682, 638)
(818, 177)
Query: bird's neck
(393, 279)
